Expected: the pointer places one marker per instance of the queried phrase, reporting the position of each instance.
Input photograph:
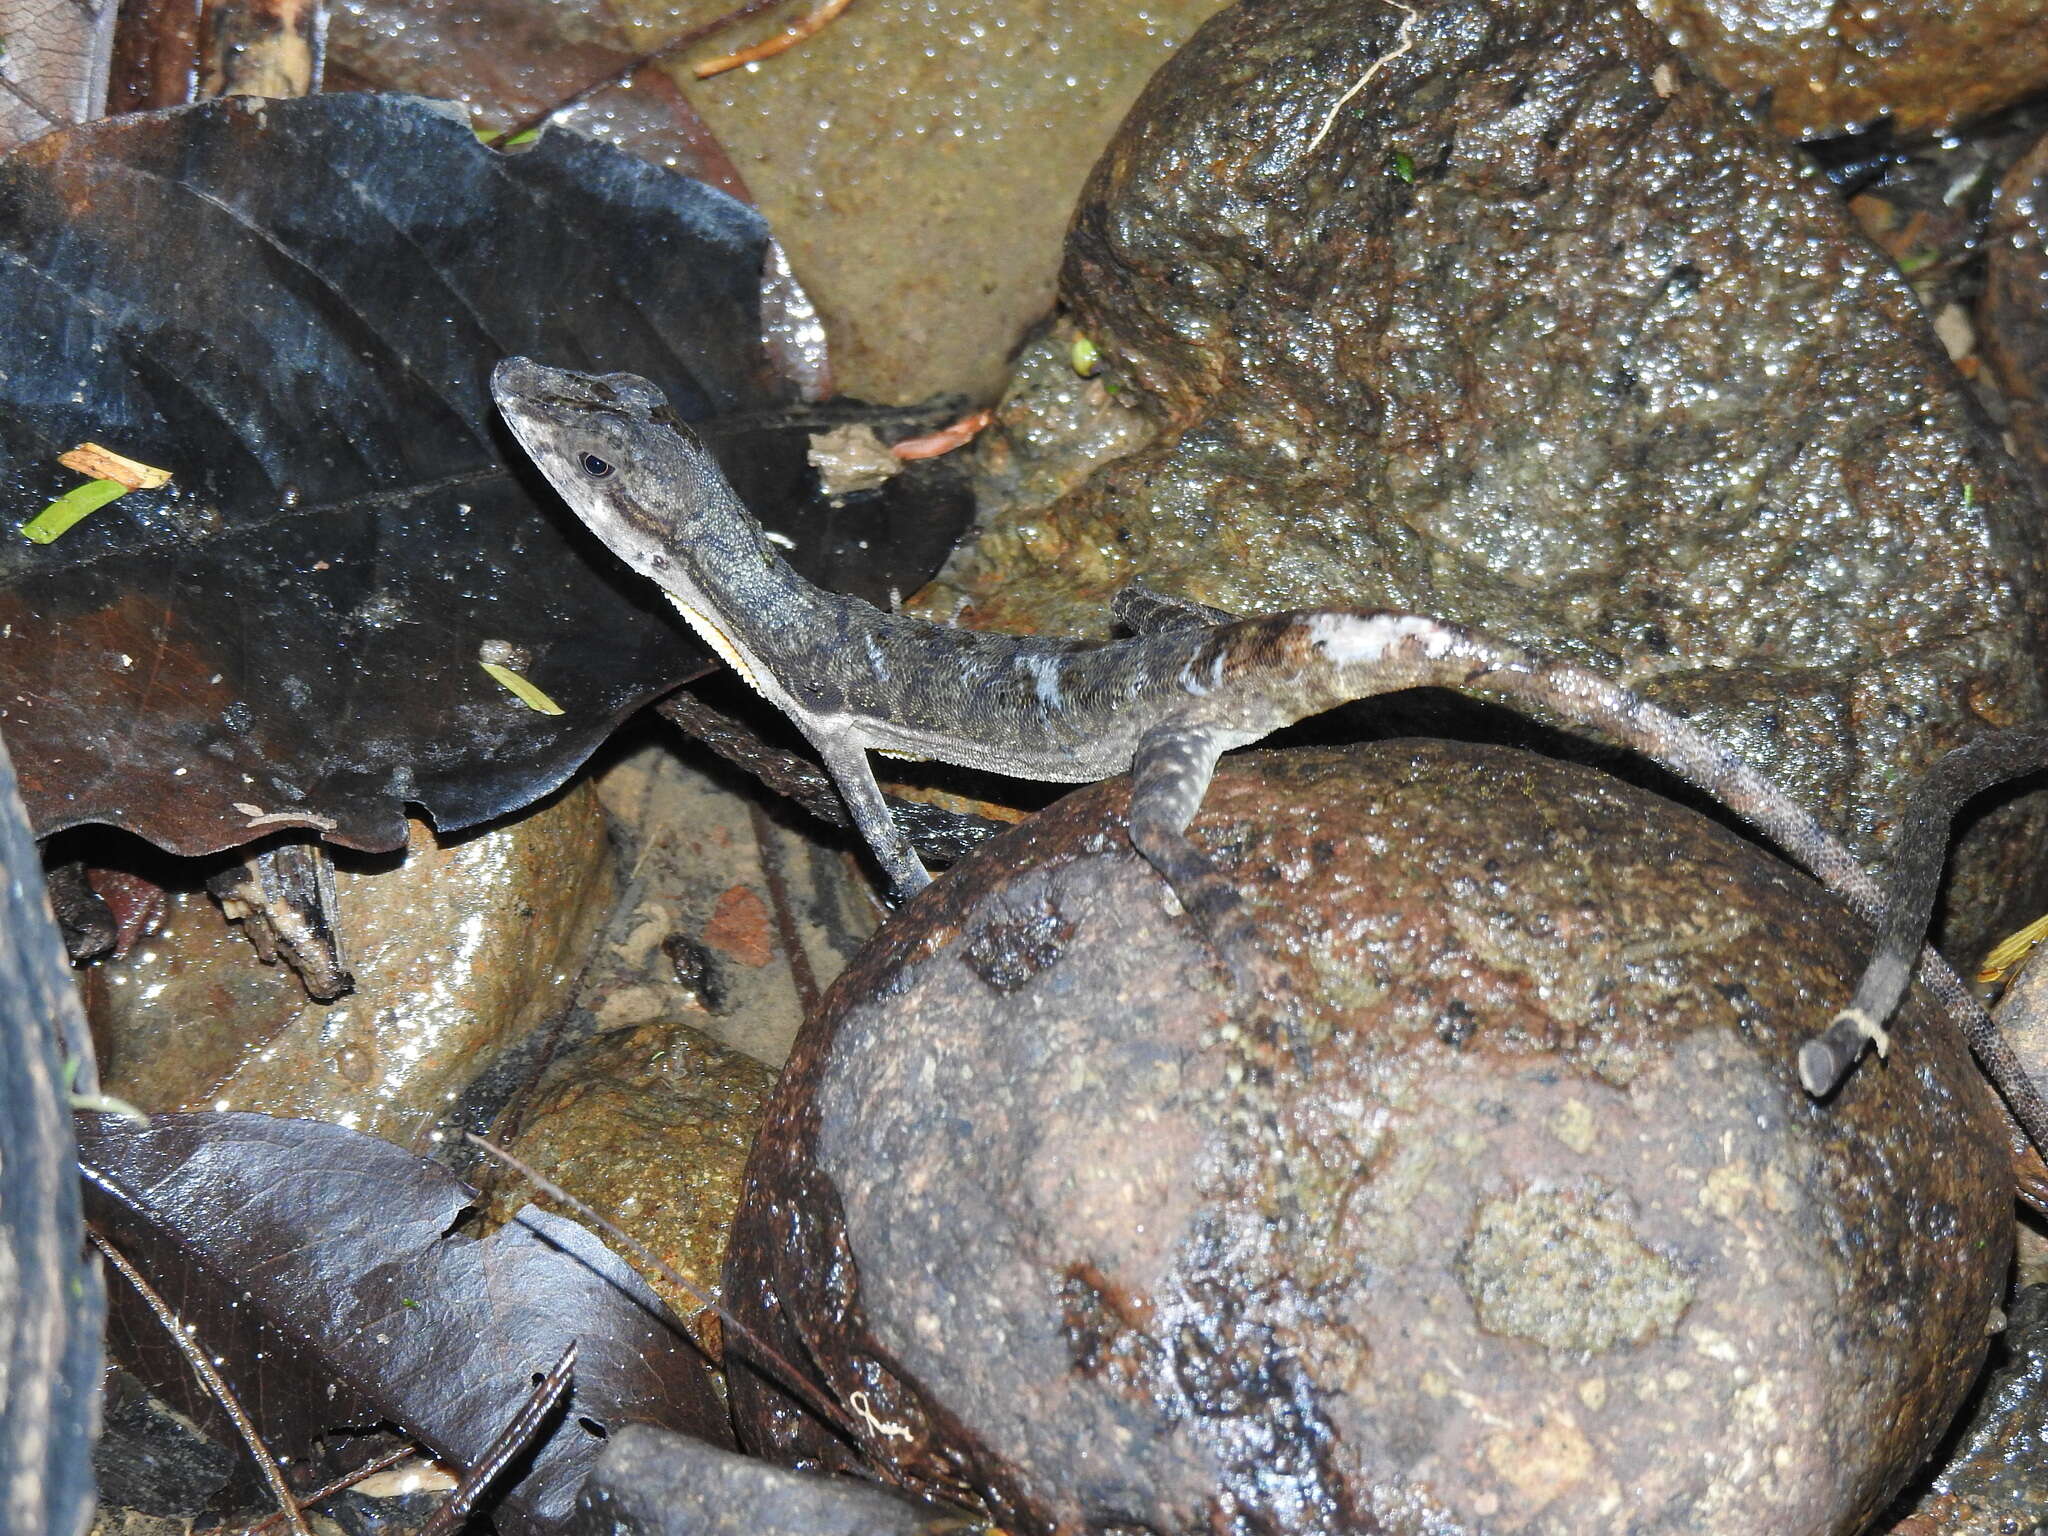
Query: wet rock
(1542, 336)
(1055, 426)
(458, 950)
(651, 1126)
(1819, 70)
(649, 1482)
(2011, 314)
(1540, 1235)
(1996, 1482)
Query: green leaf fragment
(489, 136)
(521, 689)
(56, 520)
(107, 1104)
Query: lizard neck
(763, 619)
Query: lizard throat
(719, 641)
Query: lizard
(1162, 705)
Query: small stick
(938, 834)
(688, 38)
(511, 1443)
(288, 1507)
(796, 1381)
(1405, 43)
(810, 26)
(327, 1491)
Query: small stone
(1953, 329)
(650, 1482)
(741, 927)
(1922, 65)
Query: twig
(327, 1491)
(511, 1443)
(799, 1384)
(1404, 41)
(688, 38)
(810, 26)
(223, 1394)
(801, 976)
(937, 834)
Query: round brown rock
(1517, 1219)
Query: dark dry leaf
(294, 306)
(314, 1263)
(53, 65)
(516, 58)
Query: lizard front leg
(1170, 774)
(846, 758)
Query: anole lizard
(1163, 705)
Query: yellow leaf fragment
(98, 463)
(521, 689)
(2008, 952)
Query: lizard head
(631, 469)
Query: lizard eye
(595, 467)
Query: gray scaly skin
(1163, 705)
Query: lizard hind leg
(1144, 610)
(1912, 880)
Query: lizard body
(1164, 704)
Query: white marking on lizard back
(1195, 683)
(1045, 672)
(1353, 639)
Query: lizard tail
(1382, 652)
